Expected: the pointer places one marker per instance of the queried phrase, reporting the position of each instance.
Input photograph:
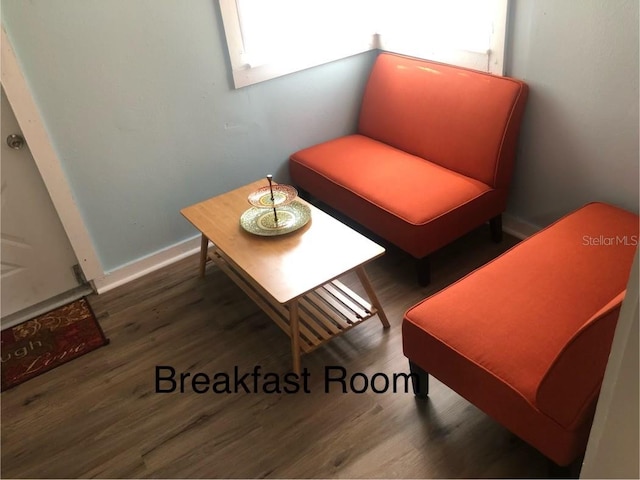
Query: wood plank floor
(99, 415)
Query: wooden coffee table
(292, 277)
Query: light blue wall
(138, 100)
(579, 140)
(137, 97)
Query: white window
(270, 38)
(469, 33)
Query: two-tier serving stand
(275, 210)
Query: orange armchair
(432, 158)
(526, 337)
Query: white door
(36, 256)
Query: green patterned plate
(282, 195)
(261, 221)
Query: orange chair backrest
(462, 119)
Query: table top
(286, 266)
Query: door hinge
(79, 274)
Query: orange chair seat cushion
(409, 187)
(410, 202)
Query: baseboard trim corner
(517, 227)
(146, 265)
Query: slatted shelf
(323, 313)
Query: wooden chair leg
(495, 224)
(424, 271)
(420, 380)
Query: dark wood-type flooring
(99, 415)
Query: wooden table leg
(204, 247)
(362, 275)
(295, 335)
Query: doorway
(37, 260)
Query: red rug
(47, 341)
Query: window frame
(245, 74)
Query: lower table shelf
(323, 313)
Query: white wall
(138, 100)
(579, 140)
(613, 446)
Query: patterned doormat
(48, 341)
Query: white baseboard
(147, 265)
(517, 227)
